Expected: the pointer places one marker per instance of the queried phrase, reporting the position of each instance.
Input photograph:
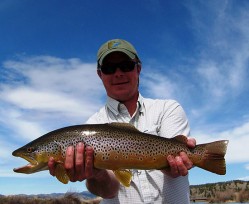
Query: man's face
(120, 85)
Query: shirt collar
(113, 105)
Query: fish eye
(30, 149)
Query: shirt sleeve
(93, 119)
(99, 117)
(174, 121)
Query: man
(119, 68)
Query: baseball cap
(116, 45)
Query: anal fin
(124, 176)
(61, 174)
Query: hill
(86, 195)
(236, 190)
(54, 198)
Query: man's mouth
(120, 83)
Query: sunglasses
(125, 66)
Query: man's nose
(119, 72)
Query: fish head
(37, 155)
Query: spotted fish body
(118, 146)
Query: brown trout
(118, 147)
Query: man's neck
(131, 104)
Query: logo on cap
(113, 44)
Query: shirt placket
(145, 187)
(141, 175)
(142, 179)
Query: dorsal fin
(180, 138)
(124, 126)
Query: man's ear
(139, 67)
(99, 73)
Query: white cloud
(244, 178)
(29, 98)
(224, 40)
(43, 90)
(247, 166)
(213, 79)
(19, 126)
(157, 85)
(216, 76)
(5, 150)
(219, 67)
(8, 162)
(237, 150)
(39, 94)
(42, 93)
(70, 76)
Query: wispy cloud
(8, 162)
(237, 150)
(44, 88)
(247, 166)
(244, 178)
(224, 36)
(219, 67)
(41, 93)
(156, 85)
(20, 124)
(216, 72)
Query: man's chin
(122, 95)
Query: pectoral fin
(61, 174)
(124, 176)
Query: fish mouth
(32, 167)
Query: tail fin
(210, 156)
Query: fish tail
(210, 156)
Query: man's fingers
(69, 163)
(51, 166)
(179, 165)
(182, 170)
(173, 166)
(89, 162)
(186, 161)
(79, 162)
(191, 142)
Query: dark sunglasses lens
(108, 69)
(125, 66)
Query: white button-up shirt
(164, 118)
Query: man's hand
(79, 167)
(78, 163)
(180, 165)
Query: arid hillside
(237, 191)
(222, 192)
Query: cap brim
(128, 53)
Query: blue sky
(195, 52)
